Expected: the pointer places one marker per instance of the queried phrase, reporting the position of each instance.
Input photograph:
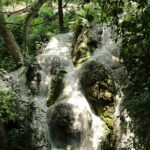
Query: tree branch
(33, 12)
(10, 41)
(17, 11)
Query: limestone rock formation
(68, 124)
(87, 41)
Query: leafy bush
(136, 53)
(41, 33)
(8, 110)
(138, 106)
(67, 18)
(46, 11)
(86, 15)
(38, 34)
(16, 27)
(16, 119)
(11, 117)
(6, 61)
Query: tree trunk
(7, 2)
(3, 137)
(86, 1)
(33, 12)
(60, 13)
(148, 140)
(9, 39)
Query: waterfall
(71, 123)
(87, 127)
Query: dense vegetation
(129, 18)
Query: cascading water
(72, 123)
(78, 127)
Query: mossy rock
(57, 71)
(107, 115)
(98, 86)
(97, 83)
(56, 88)
(86, 42)
(33, 76)
(62, 118)
(81, 51)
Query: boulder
(97, 83)
(68, 124)
(87, 41)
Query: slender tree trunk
(60, 13)
(148, 141)
(86, 1)
(26, 1)
(9, 39)
(7, 2)
(33, 12)
(3, 137)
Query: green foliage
(85, 18)
(43, 30)
(46, 11)
(137, 103)
(41, 33)
(38, 34)
(11, 117)
(67, 18)
(109, 142)
(135, 32)
(132, 21)
(86, 15)
(8, 110)
(6, 61)
(111, 9)
(17, 27)
(16, 116)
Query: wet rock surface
(96, 82)
(87, 41)
(68, 124)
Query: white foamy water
(72, 94)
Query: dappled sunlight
(115, 59)
(52, 44)
(57, 48)
(126, 136)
